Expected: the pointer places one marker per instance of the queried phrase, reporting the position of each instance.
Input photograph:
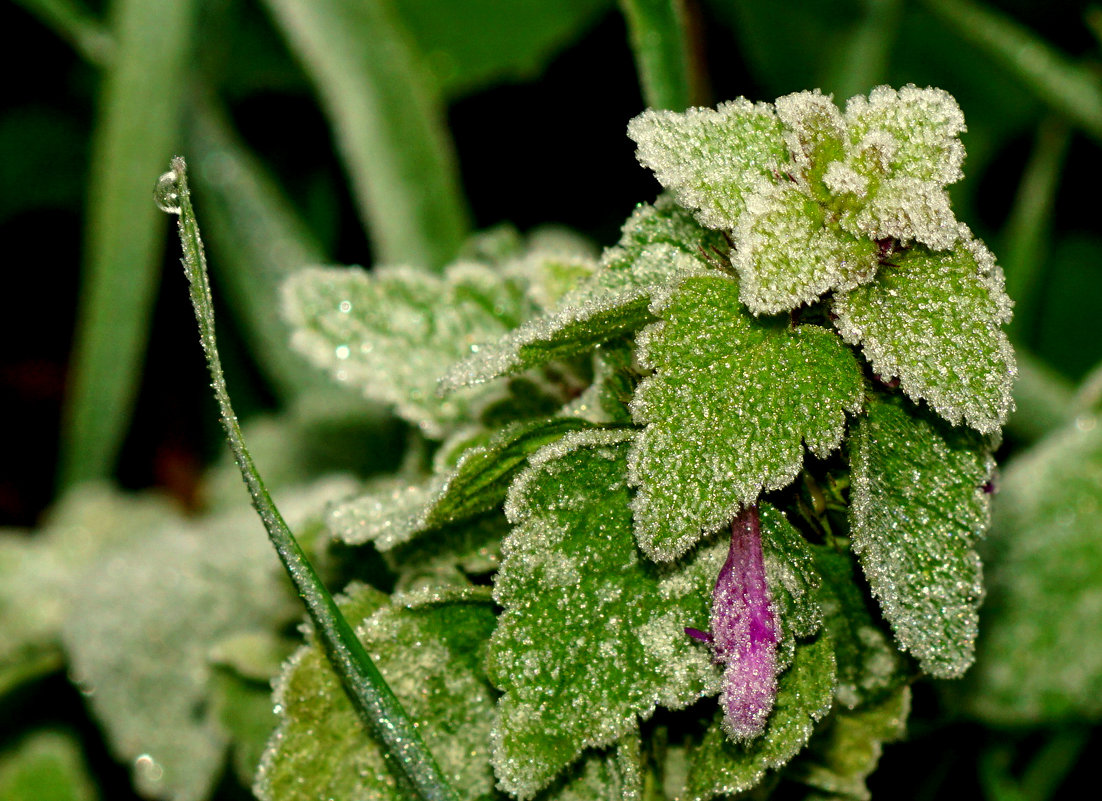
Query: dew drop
(167, 193)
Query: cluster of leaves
(803, 284)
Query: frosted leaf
(805, 693)
(870, 667)
(711, 159)
(731, 404)
(395, 511)
(393, 332)
(657, 243)
(1040, 648)
(790, 253)
(549, 275)
(141, 623)
(605, 399)
(917, 508)
(845, 753)
(592, 636)
(45, 766)
(613, 775)
(933, 320)
(906, 209)
(814, 132)
(429, 649)
(792, 577)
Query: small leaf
(1039, 658)
(731, 404)
(429, 648)
(657, 243)
(845, 753)
(934, 321)
(804, 695)
(592, 637)
(711, 158)
(45, 766)
(917, 508)
(477, 484)
(789, 253)
(814, 131)
(393, 332)
(792, 576)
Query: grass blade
(388, 121)
(864, 57)
(1070, 89)
(370, 695)
(136, 129)
(659, 41)
(76, 25)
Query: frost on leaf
(845, 753)
(393, 332)
(805, 692)
(917, 508)
(592, 636)
(657, 243)
(711, 159)
(396, 511)
(1039, 657)
(789, 253)
(814, 131)
(140, 628)
(933, 320)
(429, 649)
(792, 577)
(731, 404)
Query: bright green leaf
(429, 648)
(805, 693)
(657, 243)
(934, 321)
(917, 507)
(45, 766)
(728, 411)
(792, 577)
(711, 158)
(592, 636)
(393, 332)
(1040, 650)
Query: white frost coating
(549, 274)
(389, 513)
(709, 157)
(907, 209)
(813, 123)
(840, 178)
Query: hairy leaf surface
(592, 636)
(918, 506)
(728, 411)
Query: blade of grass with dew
(1030, 224)
(138, 121)
(1070, 89)
(75, 24)
(260, 239)
(374, 701)
(659, 43)
(388, 121)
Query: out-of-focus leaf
(1040, 652)
(46, 766)
(72, 21)
(1067, 331)
(659, 40)
(388, 123)
(136, 130)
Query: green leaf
(731, 404)
(244, 709)
(710, 159)
(393, 332)
(1039, 660)
(592, 637)
(917, 507)
(934, 320)
(615, 775)
(789, 253)
(845, 753)
(430, 648)
(792, 578)
(805, 693)
(657, 243)
(614, 377)
(140, 627)
(476, 485)
(388, 123)
(46, 766)
(136, 130)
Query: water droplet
(148, 772)
(167, 193)
(346, 306)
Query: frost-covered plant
(636, 487)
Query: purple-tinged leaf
(745, 631)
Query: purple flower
(745, 632)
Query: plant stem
(74, 23)
(659, 41)
(372, 698)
